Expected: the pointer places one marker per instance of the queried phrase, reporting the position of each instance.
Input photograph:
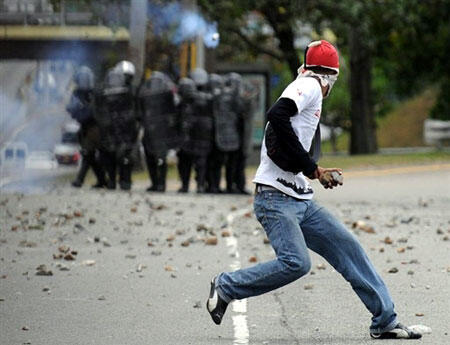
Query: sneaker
(398, 332)
(216, 306)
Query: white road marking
(241, 332)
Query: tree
(374, 33)
(284, 18)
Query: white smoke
(182, 24)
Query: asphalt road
(142, 267)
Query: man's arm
(279, 117)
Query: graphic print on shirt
(294, 187)
(306, 93)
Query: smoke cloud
(182, 24)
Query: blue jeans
(292, 227)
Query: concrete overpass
(48, 42)
(36, 30)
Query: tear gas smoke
(182, 24)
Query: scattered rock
(420, 314)
(78, 227)
(130, 256)
(266, 240)
(106, 242)
(410, 272)
(42, 270)
(35, 227)
(101, 298)
(77, 214)
(412, 285)
(198, 304)
(88, 263)
(185, 243)
(407, 221)
(226, 233)
(45, 289)
(361, 225)
(63, 267)
(321, 266)
(308, 287)
(170, 238)
(202, 227)
(158, 207)
(393, 270)
(401, 250)
(388, 240)
(211, 241)
(156, 252)
(69, 257)
(64, 249)
(133, 209)
(25, 328)
(253, 259)
(140, 267)
(169, 268)
(92, 220)
(27, 244)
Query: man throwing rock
(292, 221)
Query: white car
(40, 160)
(67, 153)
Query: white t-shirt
(307, 95)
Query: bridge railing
(69, 12)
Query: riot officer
(247, 100)
(202, 131)
(81, 108)
(196, 131)
(117, 119)
(226, 143)
(157, 101)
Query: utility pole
(138, 31)
(199, 45)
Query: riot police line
(205, 118)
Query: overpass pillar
(138, 30)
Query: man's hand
(328, 177)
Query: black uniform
(81, 108)
(226, 137)
(247, 104)
(196, 138)
(159, 120)
(117, 119)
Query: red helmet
(322, 54)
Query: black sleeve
(283, 145)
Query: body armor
(159, 115)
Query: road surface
(141, 266)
